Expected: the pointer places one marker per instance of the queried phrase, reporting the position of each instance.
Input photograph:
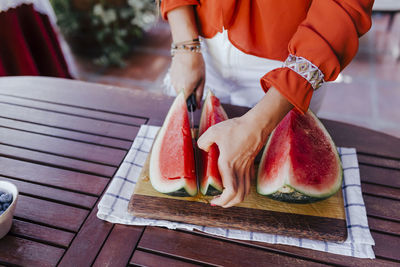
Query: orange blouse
(325, 32)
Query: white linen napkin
(114, 204)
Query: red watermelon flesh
(172, 163)
(210, 178)
(300, 162)
(177, 157)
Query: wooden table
(61, 141)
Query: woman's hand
(239, 141)
(187, 68)
(188, 73)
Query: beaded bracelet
(188, 46)
(195, 40)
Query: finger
(186, 87)
(199, 93)
(252, 172)
(194, 86)
(188, 91)
(207, 139)
(239, 195)
(230, 184)
(247, 180)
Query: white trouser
(234, 76)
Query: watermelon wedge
(210, 178)
(172, 164)
(300, 163)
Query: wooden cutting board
(324, 220)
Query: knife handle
(191, 102)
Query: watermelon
(172, 164)
(300, 163)
(210, 179)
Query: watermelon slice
(172, 165)
(300, 163)
(210, 179)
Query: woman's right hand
(188, 73)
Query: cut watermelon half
(300, 163)
(210, 178)
(172, 163)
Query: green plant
(104, 30)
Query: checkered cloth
(114, 204)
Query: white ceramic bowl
(7, 216)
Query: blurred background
(124, 43)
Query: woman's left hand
(239, 140)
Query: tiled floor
(367, 93)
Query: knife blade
(191, 105)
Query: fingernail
(213, 204)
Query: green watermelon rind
(212, 188)
(175, 187)
(182, 192)
(294, 197)
(301, 196)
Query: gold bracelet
(193, 46)
(195, 40)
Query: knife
(191, 105)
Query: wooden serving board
(324, 220)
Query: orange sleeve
(328, 38)
(168, 5)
